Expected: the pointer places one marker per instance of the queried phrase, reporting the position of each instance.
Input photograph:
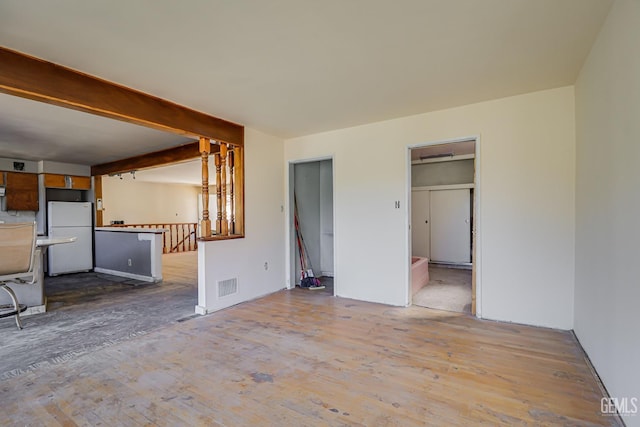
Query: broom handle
(299, 241)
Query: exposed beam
(33, 78)
(181, 153)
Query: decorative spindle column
(205, 149)
(223, 184)
(232, 209)
(218, 195)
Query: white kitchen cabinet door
(450, 219)
(420, 223)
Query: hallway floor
(448, 289)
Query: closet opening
(311, 226)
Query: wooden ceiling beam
(169, 156)
(33, 78)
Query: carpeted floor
(448, 289)
(87, 311)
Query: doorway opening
(443, 224)
(311, 201)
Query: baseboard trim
(127, 275)
(592, 368)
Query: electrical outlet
(266, 266)
(129, 262)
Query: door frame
(476, 254)
(290, 243)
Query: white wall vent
(227, 287)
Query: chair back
(17, 248)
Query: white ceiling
(287, 67)
(33, 130)
(180, 173)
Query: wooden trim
(97, 189)
(178, 154)
(2, 178)
(220, 237)
(33, 78)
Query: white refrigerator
(70, 219)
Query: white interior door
(450, 219)
(420, 223)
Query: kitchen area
(59, 198)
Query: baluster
(184, 237)
(164, 242)
(205, 149)
(195, 233)
(171, 247)
(218, 194)
(232, 214)
(223, 184)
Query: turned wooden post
(205, 149)
(218, 195)
(223, 184)
(232, 209)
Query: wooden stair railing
(179, 237)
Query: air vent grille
(227, 287)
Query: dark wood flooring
(89, 311)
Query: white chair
(17, 261)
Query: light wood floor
(299, 358)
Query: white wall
(526, 222)
(264, 232)
(138, 202)
(608, 203)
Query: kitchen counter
(131, 230)
(135, 253)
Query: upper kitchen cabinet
(21, 192)
(52, 180)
